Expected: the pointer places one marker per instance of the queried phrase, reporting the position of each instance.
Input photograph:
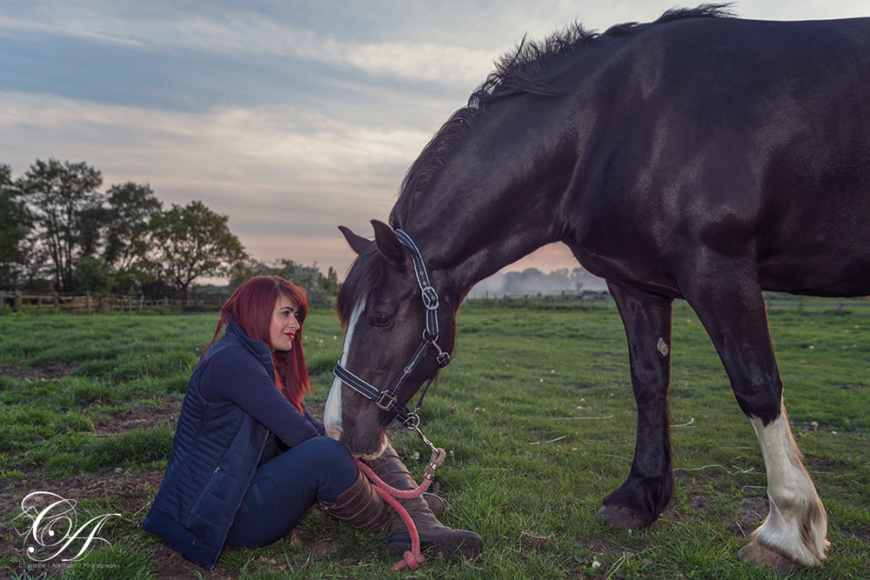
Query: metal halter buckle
(390, 401)
(430, 298)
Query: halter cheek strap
(386, 399)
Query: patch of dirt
(171, 565)
(139, 418)
(816, 464)
(750, 515)
(54, 371)
(750, 512)
(862, 536)
(128, 492)
(316, 410)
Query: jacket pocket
(204, 490)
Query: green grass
(536, 413)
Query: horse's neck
(497, 198)
(463, 250)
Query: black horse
(699, 157)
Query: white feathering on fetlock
(796, 526)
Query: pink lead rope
(413, 558)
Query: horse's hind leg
(646, 492)
(735, 317)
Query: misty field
(537, 416)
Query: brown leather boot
(435, 503)
(361, 507)
(437, 538)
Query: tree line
(59, 232)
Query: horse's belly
(840, 274)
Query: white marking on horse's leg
(662, 347)
(332, 411)
(797, 523)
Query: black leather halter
(386, 399)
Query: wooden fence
(84, 303)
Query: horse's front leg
(640, 500)
(734, 314)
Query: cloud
(246, 35)
(271, 170)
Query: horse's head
(389, 324)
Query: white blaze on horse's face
(332, 412)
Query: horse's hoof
(620, 518)
(764, 557)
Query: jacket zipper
(199, 499)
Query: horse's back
(750, 139)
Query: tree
(58, 193)
(130, 208)
(112, 229)
(94, 275)
(192, 241)
(15, 225)
(319, 289)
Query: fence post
(840, 307)
(88, 300)
(17, 306)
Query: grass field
(536, 414)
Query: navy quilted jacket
(218, 445)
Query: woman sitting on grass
(248, 459)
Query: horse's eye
(382, 320)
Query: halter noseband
(386, 400)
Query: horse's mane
(522, 71)
(366, 274)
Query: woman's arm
(317, 424)
(240, 378)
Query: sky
(291, 117)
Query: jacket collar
(258, 348)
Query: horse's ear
(389, 244)
(357, 243)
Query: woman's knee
(328, 451)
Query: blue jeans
(283, 489)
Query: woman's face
(284, 325)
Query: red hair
(251, 308)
